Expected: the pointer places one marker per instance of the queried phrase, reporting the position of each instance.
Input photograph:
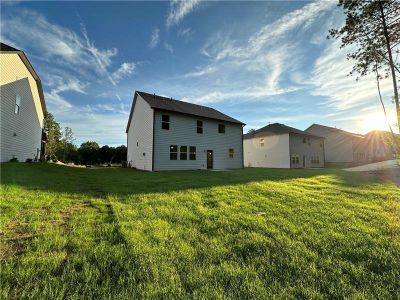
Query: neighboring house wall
(13, 69)
(20, 133)
(338, 146)
(140, 136)
(310, 151)
(274, 153)
(183, 132)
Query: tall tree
(53, 135)
(89, 152)
(66, 144)
(373, 29)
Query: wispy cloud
(154, 39)
(168, 47)
(179, 9)
(258, 64)
(185, 33)
(124, 70)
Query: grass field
(253, 233)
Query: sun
(374, 121)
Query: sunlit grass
(253, 233)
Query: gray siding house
(167, 134)
(280, 146)
(22, 108)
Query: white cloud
(124, 70)
(179, 9)
(155, 37)
(185, 33)
(168, 47)
(258, 64)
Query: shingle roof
(25, 60)
(336, 130)
(274, 129)
(169, 104)
(7, 48)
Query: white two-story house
(23, 108)
(167, 134)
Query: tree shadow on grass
(98, 183)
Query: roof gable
(182, 107)
(8, 49)
(275, 129)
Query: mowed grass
(245, 234)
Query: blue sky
(260, 62)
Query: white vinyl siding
(21, 132)
(13, 69)
(272, 153)
(140, 136)
(183, 132)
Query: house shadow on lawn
(99, 183)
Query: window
(200, 127)
(17, 104)
(261, 142)
(295, 159)
(165, 122)
(231, 152)
(304, 140)
(192, 153)
(221, 128)
(312, 160)
(173, 152)
(317, 159)
(183, 153)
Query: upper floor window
(262, 143)
(17, 104)
(192, 154)
(183, 152)
(165, 122)
(200, 127)
(221, 128)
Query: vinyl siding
(306, 151)
(20, 133)
(140, 136)
(13, 69)
(274, 154)
(183, 132)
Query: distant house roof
(276, 128)
(336, 130)
(7, 48)
(172, 105)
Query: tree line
(61, 147)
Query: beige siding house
(280, 146)
(22, 107)
(343, 147)
(167, 134)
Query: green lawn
(253, 233)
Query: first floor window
(17, 104)
(173, 152)
(295, 159)
(192, 154)
(183, 153)
(262, 143)
(165, 122)
(231, 152)
(221, 128)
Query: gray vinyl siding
(338, 145)
(183, 132)
(140, 136)
(304, 150)
(20, 133)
